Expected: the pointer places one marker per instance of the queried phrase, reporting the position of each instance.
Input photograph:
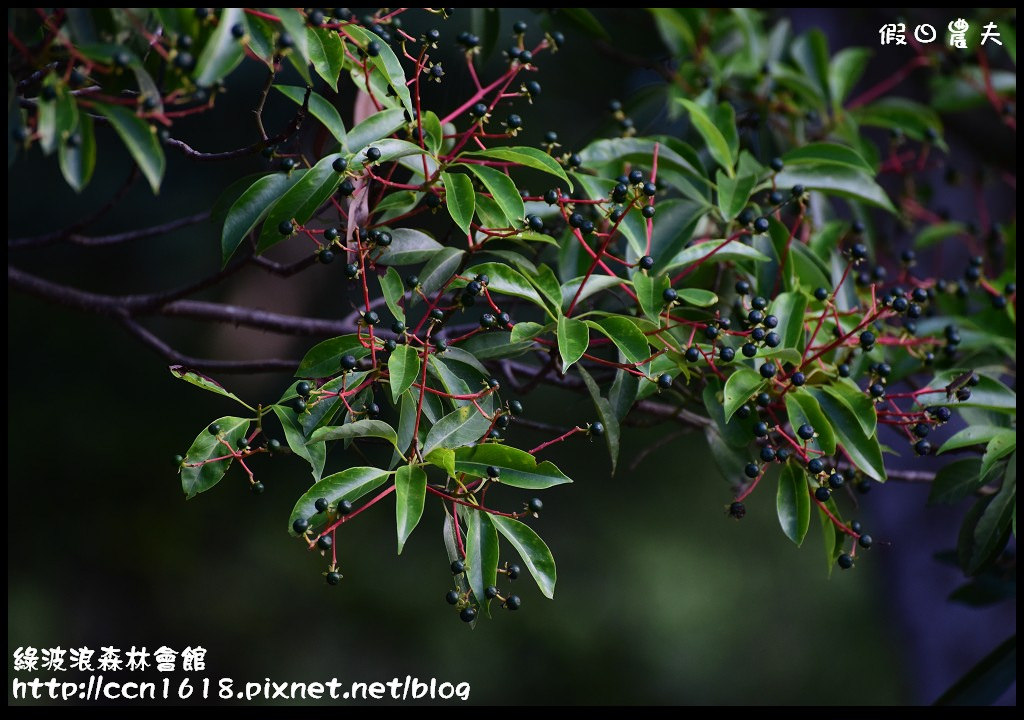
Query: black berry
(300, 525)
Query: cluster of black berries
(468, 610)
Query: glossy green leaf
(733, 193)
(140, 139)
(387, 63)
(832, 536)
(78, 157)
(355, 429)
(201, 478)
(935, 233)
(251, 208)
(626, 335)
(789, 307)
(463, 426)
(974, 435)
(443, 458)
(439, 270)
(503, 281)
(503, 191)
(802, 407)
(911, 118)
(518, 467)
(989, 393)
(716, 142)
(532, 550)
(299, 203)
(714, 251)
(826, 153)
(319, 107)
(606, 414)
(323, 359)
(327, 53)
(315, 454)
(863, 449)
(409, 247)
(793, 503)
(956, 481)
(734, 432)
(460, 198)
(810, 51)
(573, 338)
(223, 52)
(990, 532)
(739, 388)
(847, 392)
(494, 345)
(525, 330)
(836, 179)
(481, 554)
(845, 69)
(404, 367)
(526, 156)
(998, 447)
(649, 294)
(201, 381)
(374, 128)
(410, 494)
(350, 484)
(295, 25)
(595, 284)
(697, 296)
(393, 290)
(545, 281)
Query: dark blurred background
(660, 598)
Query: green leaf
(300, 201)
(649, 294)
(987, 681)
(739, 388)
(200, 380)
(810, 51)
(573, 338)
(697, 297)
(993, 527)
(836, 179)
(481, 554)
(140, 139)
(355, 429)
(911, 118)
(716, 142)
(504, 192)
(518, 467)
(988, 393)
(846, 391)
(460, 198)
(833, 537)
(393, 289)
(863, 450)
(223, 52)
(295, 25)
(319, 107)
(960, 479)
(626, 336)
(532, 550)
(250, 208)
(439, 270)
(327, 53)
(595, 284)
(77, 161)
(403, 370)
(195, 480)
(733, 193)
(443, 458)
(376, 127)
(324, 358)
(525, 156)
(974, 435)
(802, 407)
(844, 71)
(315, 455)
(410, 494)
(386, 63)
(735, 433)
(350, 484)
(544, 280)
(933, 234)
(525, 330)
(606, 414)
(714, 251)
(504, 281)
(494, 345)
(793, 503)
(456, 429)
(826, 153)
(789, 307)
(998, 447)
(409, 247)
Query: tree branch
(113, 239)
